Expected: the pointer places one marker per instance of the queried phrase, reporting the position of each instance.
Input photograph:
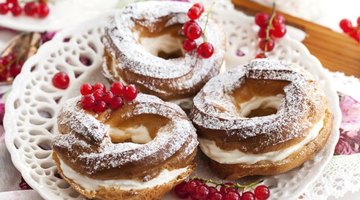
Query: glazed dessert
(144, 146)
(263, 118)
(143, 46)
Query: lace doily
(342, 174)
(348, 85)
(34, 103)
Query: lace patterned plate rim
(34, 102)
(76, 12)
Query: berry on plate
(61, 80)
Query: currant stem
(250, 185)
(269, 27)
(207, 20)
(236, 185)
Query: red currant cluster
(199, 189)
(32, 8)
(271, 27)
(351, 30)
(96, 98)
(10, 66)
(193, 31)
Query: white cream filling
(223, 67)
(166, 43)
(139, 134)
(185, 103)
(236, 157)
(124, 184)
(260, 102)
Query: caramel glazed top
(86, 145)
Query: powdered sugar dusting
(181, 73)
(104, 155)
(303, 101)
(75, 118)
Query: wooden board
(336, 51)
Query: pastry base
(116, 193)
(268, 168)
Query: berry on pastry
(139, 150)
(97, 99)
(154, 46)
(263, 118)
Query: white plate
(62, 14)
(29, 133)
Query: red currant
(13, 2)
(100, 107)
(278, 20)
(23, 185)
(16, 10)
(4, 8)
(355, 35)
(88, 102)
(232, 196)
(193, 31)
(117, 88)
(43, 10)
(248, 196)
(262, 192)
(189, 45)
(108, 97)
(215, 196)
(99, 94)
(262, 19)
(61, 80)
(4, 75)
(205, 50)
(180, 190)
(8, 58)
(279, 31)
(262, 32)
(212, 189)
(260, 55)
(194, 13)
(226, 188)
(15, 69)
(99, 86)
(346, 25)
(200, 6)
(191, 187)
(201, 192)
(130, 92)
(266, 45)
(86, 89)
(358, 22)
(116, 102)
(31, 8)
(187, 24)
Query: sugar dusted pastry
(264, 118)
(143, 47)
(138, 151)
